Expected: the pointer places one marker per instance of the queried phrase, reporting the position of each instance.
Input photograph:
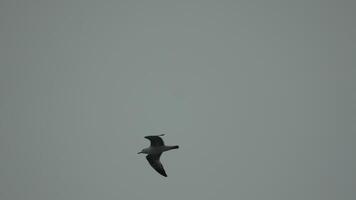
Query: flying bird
(154, 152)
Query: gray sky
(259, 95)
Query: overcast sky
(259, 94)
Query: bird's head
(143, 151)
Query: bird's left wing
(156, 163)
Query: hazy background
(259, 95)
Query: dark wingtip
(147, 136)
(163, 174)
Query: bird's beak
(139, 152)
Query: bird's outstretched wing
(156, 140)
(156, 163)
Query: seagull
(154, 152)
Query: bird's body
(154, 152)
(157, 150)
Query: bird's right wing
(156, 163)
(155, 140)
